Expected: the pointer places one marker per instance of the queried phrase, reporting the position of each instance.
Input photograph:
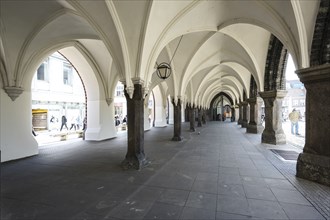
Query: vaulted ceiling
(222, 43)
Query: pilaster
(240, 113)
(314, 162)
(273, 132)
(192, 118)
(255, 125)
(244, 115)
(177, 121)
(199, 124)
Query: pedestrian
(73, 123)
(84, 124)
(294, 118)
(33, 132)
(64, 120)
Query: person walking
(294, 118)
(64, 120)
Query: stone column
(204, 116)
(199, 124)
(240, 114)
(255, 125)
(232, 119)
(245, 116)
(177, 121)
(273, 132)
(314, 162)
(186, 115)
(135, 157)
(192, 118)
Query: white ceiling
(223, 43)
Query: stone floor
(217, 172)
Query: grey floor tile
(104, 205)
(251, 180)
(233, 205)
(271, 173)
(205, 186)
(230, 179)
(301, 211)
(196, 213)
(290, 196)
(202, 200)
(130, 210)
(228, 170)
(147, 193)
(211, 177)
(163, 211)
(226, 216)
(235, 190)
(266, 209)
(279, 184)
(259, 192)
(174, 197)
(249, 172)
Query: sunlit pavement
(48, 137)
(296, 140)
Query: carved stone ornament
(130, 91)
(13, 92)
(109, 101)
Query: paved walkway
(219, 173)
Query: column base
(177, 138)
(255, 129)
(239, 122)
(273, 138)
(314, 167)
(244, 124)
(192, 129)
(134, 163)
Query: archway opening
(58, 101)
(295, 101)
(120, 108)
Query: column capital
(314, 74)
(273, 94)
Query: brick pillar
(177, 121)
(199, 124)
(273, 132)
(314, 162)
(245, 114)
(192, 118)
(240, 113)
(135, 157)
(255, 125)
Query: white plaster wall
(160, 112)
(147, 125)
(16, 136)
(100, 121)
(160, 118)
(171, 114)
(236, 114)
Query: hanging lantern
(164, 70)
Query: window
(302, 102)
(42, 73)
(119, 90)
(67, 74)
(295, 102)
